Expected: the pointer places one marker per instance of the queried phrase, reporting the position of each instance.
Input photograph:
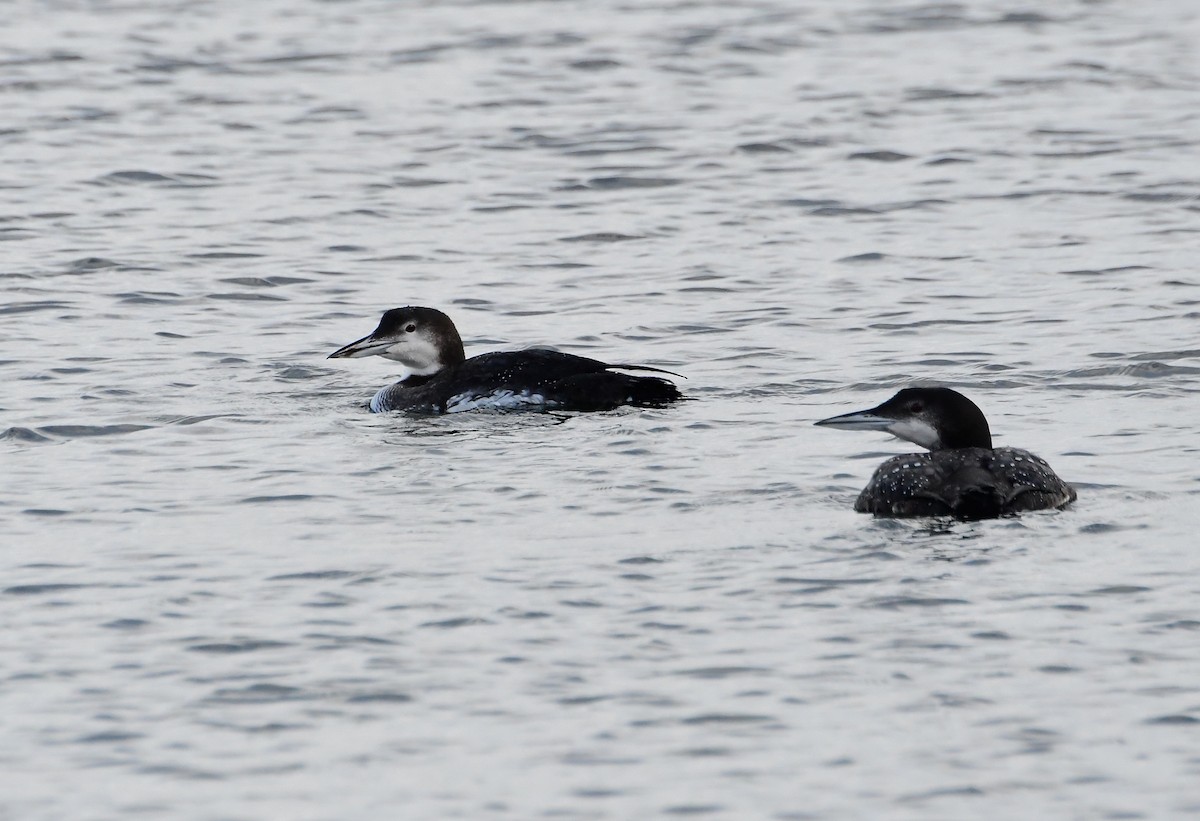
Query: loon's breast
(970, 483)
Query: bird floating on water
(439, 378)
(962, 475)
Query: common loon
(962, 475)
(439, 378)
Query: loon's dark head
(424, 340)
(934, 418)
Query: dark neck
(450, 349)
(971, 436)
(968, 442)
(417, 380)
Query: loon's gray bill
(858, 420)
(367, 346)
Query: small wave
(23, 435)
(287, 497)
(314, 575)
(87, 264)
(87, 431)
(148, 298)
(880, 156)
(595, 64)
(601, 237)
(764, 148)
(257, 694)
(927, 94)
(244, 297)
(41, 589)
(154, 178)
(30, 307)
(384, 697)
(903, 602)
(621, 182)
(265, 282)
(244, 646)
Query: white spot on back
(498, 400)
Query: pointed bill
(367, 346)
(858, 420)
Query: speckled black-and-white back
(968, 483)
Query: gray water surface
(229, 592)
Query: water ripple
(648, 612)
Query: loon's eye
(915, 407)
(408, 329)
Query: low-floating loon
(962, 475)
(439, 378)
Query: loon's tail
(651, 390)
(606, 390)
(978, 503)
(974, 493)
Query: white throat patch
(917, 432)
(416, 353)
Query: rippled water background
(230, 593)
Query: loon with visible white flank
(439, 378)
(962, 475)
